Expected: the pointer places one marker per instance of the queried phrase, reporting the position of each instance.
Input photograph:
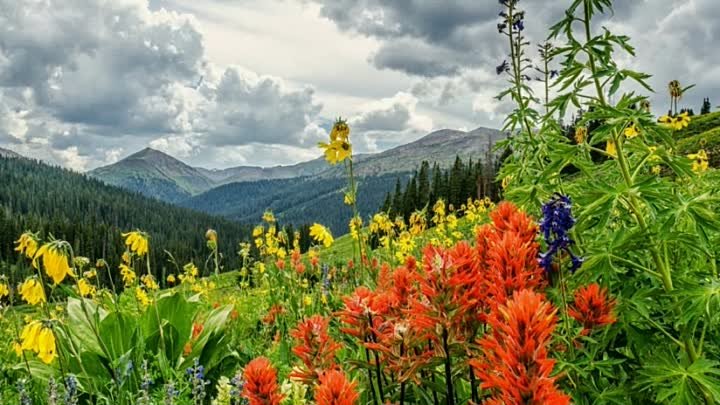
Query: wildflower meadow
(593, 280)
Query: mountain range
(305, 192)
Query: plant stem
(516, 56)
(370, 377)
(450, 394)
(591, 56)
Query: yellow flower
(281, 253)
(90, 274)
(258, 231)
(700, 161)
(260, 267)
(149, 282)
(32, 291)
(211, 235)
(349, 199)
(171, 279)
(631, 131)
(137, 242)
(677, 122)
(268, 217)
(27, 244)
(336, 151)
(340, 131)
(55, 261)
(128, 275)
(506, 182)
(418, 223)
(405, 243)
(126, 257)
(4, 290)
(38, 338)
(308, 300)
(611, 149)
(580, 134)
(655, 170)
(142, 297)
(321, 234)
(85, 288)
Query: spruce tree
(706, 106)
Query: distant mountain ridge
(159, 175)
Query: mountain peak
(149, 152)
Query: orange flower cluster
(335, 389)
(515, 364)
(261, 386)
(593, 308)
(316, 349)
(423, 312)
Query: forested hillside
(91, 216)
(296, 201)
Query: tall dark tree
(423, 184)
(706, 106)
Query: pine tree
(706, 106)
(397, 202)
(423, 184)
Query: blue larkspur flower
(555, 226)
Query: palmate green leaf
(699, 301)
(680, 384)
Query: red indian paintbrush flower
(316, 349)
(511, 266)
(515, 365)
(508, 218)
(261, 387)
(592, 308)
(335, 389)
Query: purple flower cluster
(555, 226)
(196, 373)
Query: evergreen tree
(423, 184)
(706, 106)
(398, 198)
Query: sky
(221, 83)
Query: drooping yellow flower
(137, 242)
(55, 261)
(85, 288)
(142, 297)
(418, 223)
(211, 235)
(90, 274)
(321, 234)
(405, 243)
(349, 199)
(258, 231)
(452, 221)
(171, 279)
(190, 273)
(631, 131)
(32, 291)
(38, 338)
(126, 257)
(4, 290)
(611, 149)
(27, 244)
(128, 275)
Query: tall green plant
(647, 221)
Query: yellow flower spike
(85, 288)
(171, 279)
(321, 235)
(137, 242)
(611, 149)
(631, 131)
(32, 291)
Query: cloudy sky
(222, 83)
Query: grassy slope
(702, 133)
